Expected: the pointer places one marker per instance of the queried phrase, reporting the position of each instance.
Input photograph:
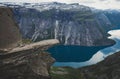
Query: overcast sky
(100, 4)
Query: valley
(30, 32)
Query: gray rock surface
(9, 33)
(71, 24)
(21, 61)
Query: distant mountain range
(72, 24)
(35, 64)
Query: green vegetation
(26, 41)
(65, 73)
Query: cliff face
(27, 62)
(71, 24)
(107, 69)
(31, 65)
(114, 18)
(9, 34)
(108, 18)
(21, 62)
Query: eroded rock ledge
(27, 62)
(19, 61)
(42, 45)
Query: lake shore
(99, 56)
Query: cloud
(106, 4)
(118, 0)
(102, 0)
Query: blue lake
(79, 56)
(69, 53)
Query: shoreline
(99, 56)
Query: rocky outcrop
(9, 33)
(107, 69)
(42, 45)
(28, 62)
(18, 61)
(26, 66)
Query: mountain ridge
(48, 21)
(26, 64)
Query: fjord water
(78, 56)
(74, 53)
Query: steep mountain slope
(72, 24)
(9, 34)
(114, 17)
(107, 69)
(72, 30)
(110, 18)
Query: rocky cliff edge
(21, 61)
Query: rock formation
(27, 62)
(19, 61)
(9, 33)
(107, 69)
(71, 24)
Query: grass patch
(26, 41)
(68, 73)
